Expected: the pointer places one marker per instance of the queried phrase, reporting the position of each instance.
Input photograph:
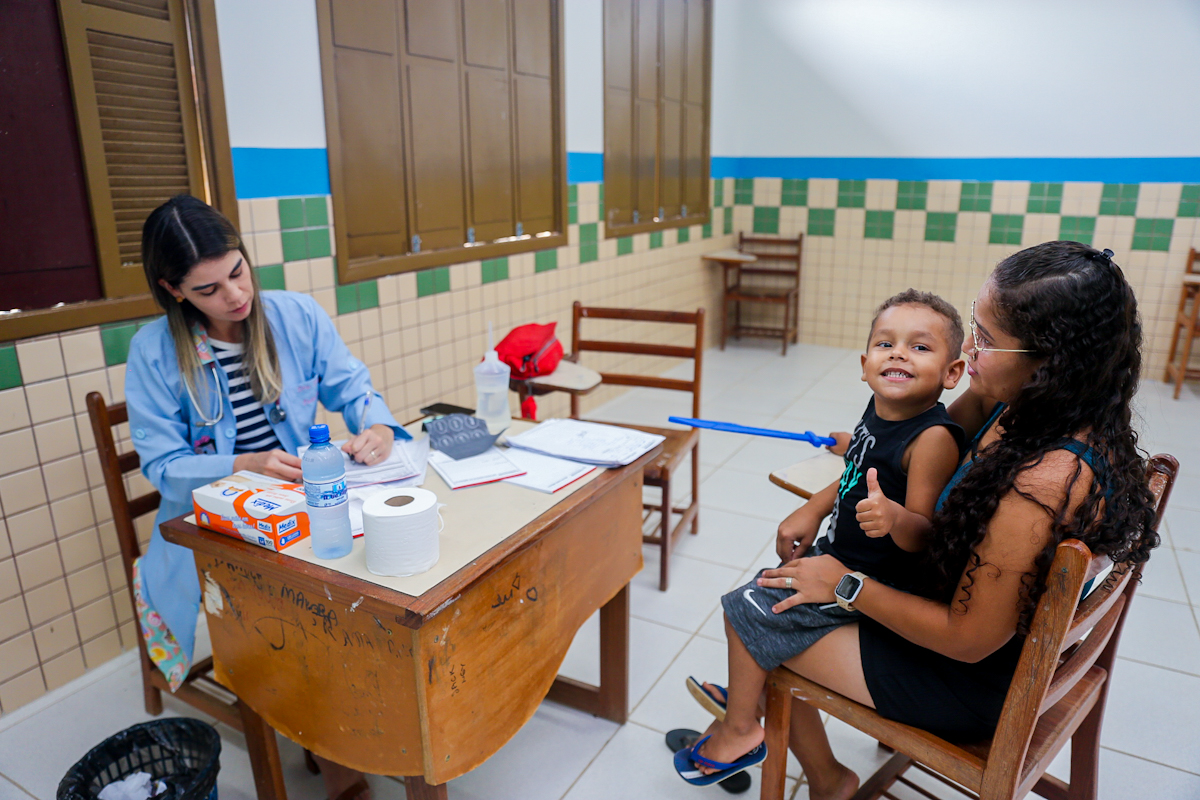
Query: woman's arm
(971, 411)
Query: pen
(362, 423)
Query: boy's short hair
(912, 297)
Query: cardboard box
(256, 508)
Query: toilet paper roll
(400, 528)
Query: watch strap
(848, 602)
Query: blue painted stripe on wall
(585, 167)
(279, 172)
(1108, 170)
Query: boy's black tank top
(878, 443)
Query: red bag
(531, 350)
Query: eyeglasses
(980, 348)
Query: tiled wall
(867, 239)
(64, 606)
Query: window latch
(470, 235)
(683, 211)
(520, 229)
(416, 243)
(661, 212)
(635, 217)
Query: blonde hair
(177, 236)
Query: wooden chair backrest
(1056, 655)
(776, 255)
(694, 352)
(1190, 269)
(115, 465)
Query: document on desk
(399, 465)
(586, 442)
(487, 467)
(545, 473)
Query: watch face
(847, 587)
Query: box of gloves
(260, 509)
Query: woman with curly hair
(1054, 362)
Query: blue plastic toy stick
(729, 427)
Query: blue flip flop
(710, 703)
(687, 759)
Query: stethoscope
(276, 413)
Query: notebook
(487, 467)
(545, 473)
(587, 442)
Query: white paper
(397, 466)
(587, 442)
(487, 467)
(417, 452)
(545, 473)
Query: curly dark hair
(1071, 305)
(936, 304)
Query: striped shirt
(254, 434)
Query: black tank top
(878, 443)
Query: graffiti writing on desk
(458, 677)
(274, 631)
(357, 639)
(244, 572)
(531, 593)
(327, 616)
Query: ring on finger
(787, 583)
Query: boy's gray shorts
(774, 638)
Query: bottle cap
(318, 434)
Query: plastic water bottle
(325, 492)
(491, 389)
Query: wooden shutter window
(132, 81)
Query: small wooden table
(568, 377)
(430, 685)
(809, 476)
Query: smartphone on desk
(442, 409)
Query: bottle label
(325, 495)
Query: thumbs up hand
(876, 514)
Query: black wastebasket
(183, 753)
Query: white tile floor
(1151, 736)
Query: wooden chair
(1185, 327)
(679, 443)
(1057, 694)
(775, 280)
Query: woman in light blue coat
(227, 380)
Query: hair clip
(1107, 253)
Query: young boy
(900, 456)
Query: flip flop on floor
(687, 759)
(681, 738)
(711, 704)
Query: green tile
(852, 194)
(295, 245)
(368, 295)
(590, 251)
(316, 212)
(271, 277)
(588, 232)
(1077, 229)
(1152, 234)
(319, 245)
(600, 193)
(911, 195)
(766, 219)
(433, 281)
(495, 269)
(706, 230)
(10, 368)
(1006, 229)
(727, 227)
(545, 260)
(820, 221)
(683, 235)
(291, 213)
(1044, 198)
(600, 210)
(1119, 199)
(1189, 201)
(718, 196)
(347, 298)
(115, 340)
(976, 196)
(795, 192)
(939, 226)
(573, 193)
(879, 225)
(572, 214)
(655, 240)
(624, 245)
(743, 191)
(441, 280)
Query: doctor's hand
(276, 463)
(372, 445)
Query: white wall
(952, 78)
(583, 52)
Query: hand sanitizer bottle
(491, 388)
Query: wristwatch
(846, 592)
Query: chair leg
(1189, 332)
(1085, 753)
(696, 488)
(665, 527)
(1183, 296)
(787, 314)
(778, 722)
(151, 695)
(724, 319)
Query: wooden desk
(426, 686)
(811, 475)
(569, 377)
